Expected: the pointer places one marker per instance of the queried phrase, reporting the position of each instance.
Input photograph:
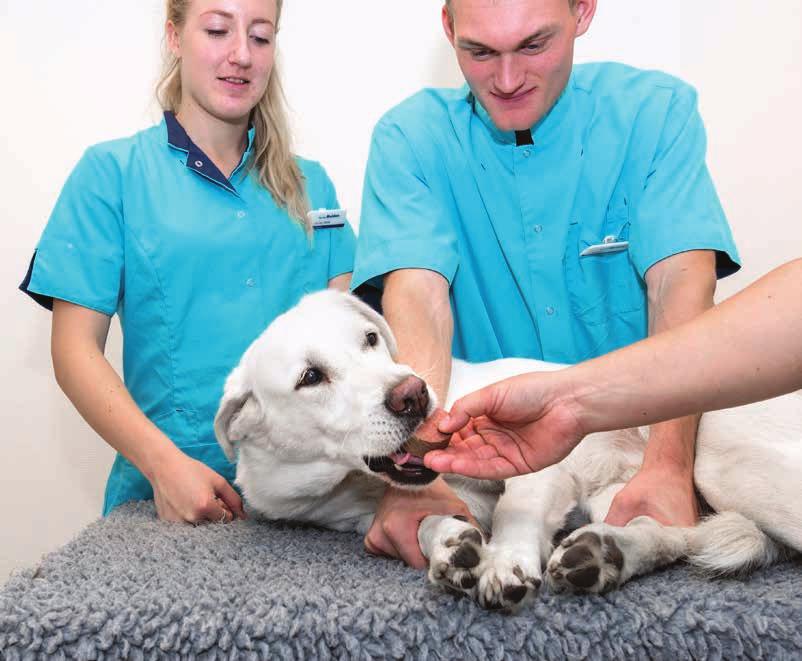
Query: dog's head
(321, 384)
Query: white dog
(319, 412)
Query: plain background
(79, 72)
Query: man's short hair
(572, 3)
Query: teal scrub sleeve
(80, 255)
(679, 209)
(404, 222)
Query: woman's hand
(185, 489)
(509, 428)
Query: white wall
(746, 60)
(82, 71)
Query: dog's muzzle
(409, 401)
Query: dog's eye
(312, 376)
(372, 339)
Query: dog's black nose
(409, 398)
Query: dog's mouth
(405, 465)
(402, 467)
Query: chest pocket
(602, 285)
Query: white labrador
(319, 412)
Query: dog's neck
(283, 489)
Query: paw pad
(586, 562)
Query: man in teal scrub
(544, 210)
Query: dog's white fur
(301, 455)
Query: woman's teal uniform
(195, 264)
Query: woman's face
(227, 50)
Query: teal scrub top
(620, 158)
(195, 264)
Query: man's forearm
(416, 306)
(677, 295)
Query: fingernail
(444, 423)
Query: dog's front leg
(531, 511)
(599, 557)
(453, 547)
(504, 573)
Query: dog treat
(427, 437)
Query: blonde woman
(196, 233)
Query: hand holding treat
(428, 437)
(508, 428)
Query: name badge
(608, 244)
(323, 219)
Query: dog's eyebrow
(314, 359)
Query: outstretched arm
(746, 349)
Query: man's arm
(679, 288)
(746, 349)
(416, 305)
(341, 282)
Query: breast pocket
(603, 284)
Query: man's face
(516, 54)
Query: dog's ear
(374, 317)
(239, 414)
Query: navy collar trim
(197, 161)
(176, 135)
(541, 133)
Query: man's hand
(185, 489)
(512, 427)
(679, 288)
(664, 494)
(394, 531)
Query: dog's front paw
(455, 562)
(585, 561)
(507, 580)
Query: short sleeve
(679, 209)
(404, 223)
(79, 257)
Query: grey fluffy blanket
(132, 587)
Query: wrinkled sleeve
(679, 209)
(80, 256)
(403, 223)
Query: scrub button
(241, 214)
(250, 282)
(550, 311)
(198, 164)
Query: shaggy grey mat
(135, 588)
